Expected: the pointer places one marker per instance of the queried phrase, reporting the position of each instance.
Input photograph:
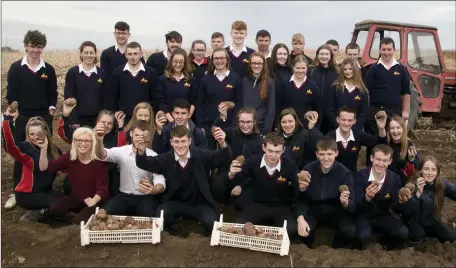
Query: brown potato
(302, 176)
(102, 215)
(259, 230)
(343, 188)
(71, 102)
(250, 232)
(262, 235)
(240, 159)
(13, 107)
(93, 223)
(404, 192)
(229, 104)
(102, 226)
(40, 135)
(96, 228)
(411, 187)
(129, 220)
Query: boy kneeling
(274, 186)
(328, 198)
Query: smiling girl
(198, 60)
(348, 90)
(259, 92)
(405, 155)
(86, 83)
(430, 191)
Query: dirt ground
(39, 245)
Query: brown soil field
(39, 245)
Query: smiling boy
(238, 52)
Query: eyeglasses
(178, 62)
(256, 64)
(246, 122)
(79, 141)
(219, 58)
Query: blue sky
(67, 24)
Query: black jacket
(203, 160)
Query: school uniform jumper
(169, 90)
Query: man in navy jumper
(377, 201)
(349, 141)
(159, 60)
(132, 83)
(389, 86)
(323, 201)
(263, 40)
(187, 171)
(238, 52)
(114, 56)
(32, 84)
(181, 115)
(274, 184)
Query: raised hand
(160, 121)
(312, 117)
(120, 118)
(68, 106)
(219, 135)
(381, 117)
(303, 180)
(235, 168)
(371, 191)
(412, 152)
(100, 131)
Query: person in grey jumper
(259, 92)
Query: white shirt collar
(350, 89)
(371, 178)
(244, 49)
(165, 53)
(340, 138)
(141, 68)
(276, 167)
(40, 65)
(297, 83)
(384, 65)
(269, 55)
(93, 70)
(358, 65)
(180, 77)
(176, 157)
(221, 76)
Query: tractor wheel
(414, 108)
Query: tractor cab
(418, 49)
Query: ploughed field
(39, 245)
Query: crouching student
(186, 170)
(430, 192)
(328, 198)
(112, 138)
(181, 115)
(349, 140)
(274, 185)
(245, 140)
(136, 194)
(33, 191)
(88, 177)
(378, 202)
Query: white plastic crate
(123, 236)
(220, 238)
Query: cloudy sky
(67, 24)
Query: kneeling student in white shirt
(138, 187)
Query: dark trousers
(442, 231)
(88, 121)
(129, 204)
(174, 210)
(221, 190)
(262, 214)
(114, 179)
(34, 201)
(211, 142)
(69, 203)
(391, 228)
(335, 219)
(20, 125)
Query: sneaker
(31, 215)
(11, 203)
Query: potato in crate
(258, 238)
(104, 228)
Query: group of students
(275, 134)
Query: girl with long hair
(143, 111)
(34, 189)
(348, 90)
(430, 192)
(259, 92)
(177, 83)
(87, 176)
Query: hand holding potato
(68, 106)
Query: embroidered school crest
(44, 76)
(354, 149)
(245, 61)
(100, 80)
(396, 73)
(186, 84)
(280, 179)
(309, 92)
(229, 86)
(357, 97)
(387, 195)
(296, 148)
(143, 80)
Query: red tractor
(418, 48)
